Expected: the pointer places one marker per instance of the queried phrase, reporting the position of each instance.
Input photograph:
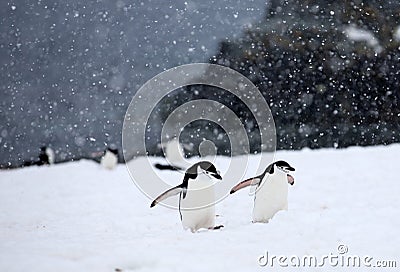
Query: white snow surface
(80, 217)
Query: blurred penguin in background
(46, 156)
(174, 152)
(175, 155)
(110, 158)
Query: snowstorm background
(329, 70)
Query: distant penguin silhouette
(175, 154)
(110, 158)
(46, 156)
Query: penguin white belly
(197, 208)
(50, 155)
(109, 160)
(270, 198)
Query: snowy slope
(80, 217)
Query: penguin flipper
(171, 192)
(245, 183)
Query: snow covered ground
(80, 217)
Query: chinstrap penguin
(110, 158)
(175, 155)
(46, 156)
(196, 197)
(271, 192)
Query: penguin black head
(113, 150)
(282, 165)
(206, 167)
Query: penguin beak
(217, 176)
(290, 168)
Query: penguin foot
(216, 227)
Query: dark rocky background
(326, 84)
(68, 70)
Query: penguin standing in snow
(46, 156)
(196, 197)
(271, 192)
(175, 155)
(110, 158)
